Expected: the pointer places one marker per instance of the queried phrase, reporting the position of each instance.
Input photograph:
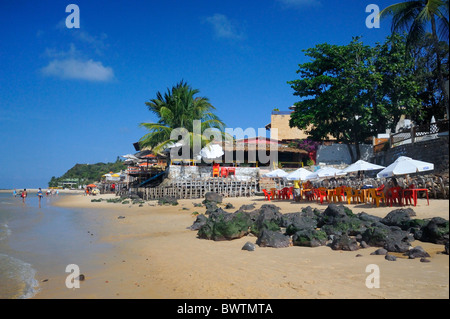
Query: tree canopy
(179, 108)
(354, 91)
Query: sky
(76, 93)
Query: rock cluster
(337, 226)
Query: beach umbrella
(211, 151)
(362, 166)
(301, 174)
(405, 165)
(329, 172)
(276, 173)
(91, 185)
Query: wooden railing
(197, 188)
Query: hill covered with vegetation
(87, 173)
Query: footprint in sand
(324, 293)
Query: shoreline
(152, 255)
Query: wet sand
(153, 255)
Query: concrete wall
(204, 172)
(434, 151)
(338, 153)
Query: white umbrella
(300, 174)
(211, 151)
(405, 165)
(276, 173)
(362, 166)
(328, 172)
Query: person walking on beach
(24, 195)
(40, 195)
(14, 193)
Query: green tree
(354, 91)
(426, 74)
(414, 16)
(179, 108)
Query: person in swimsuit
(24, 195)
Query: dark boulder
(390, 257)
(335, 213)
(436, 231)
(297, 222)
(309, 238)
(416, 252)
(344, 242)
(199, 222)
(392, 238)
(269, 238)
(225, 226)
(368, 219)
(398, 217)
(229, 206)
(212, 197)
(379, 251)
(248, 246)
(339, 220)
(247, 207)
(269, 217)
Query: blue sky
(77, 95)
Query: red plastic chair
(266, 194)
(394, 195)
(321, 193)
(224, 172)
(285, 193)
(232, 171)
(409, 195)
(310, 194)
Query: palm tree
(179, 108)
(413, 16)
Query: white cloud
(72, 68)
(224, 28)
(299, 3)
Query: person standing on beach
(24, 194)
(297, 190)
(14, 193)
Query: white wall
(338, 153)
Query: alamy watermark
(73, 279)
(73, 19)
(373, 280)
(189, 144)
(373, 19)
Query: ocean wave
(17, 279)
(4, 231)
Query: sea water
(38, 238)
(17, 277)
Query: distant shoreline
(34, 190)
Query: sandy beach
(155, 256)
